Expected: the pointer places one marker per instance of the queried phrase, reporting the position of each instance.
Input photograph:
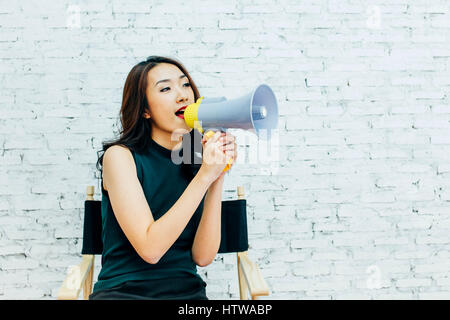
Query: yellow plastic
(191, 115)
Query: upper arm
(127, 199)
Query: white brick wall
(358, 201)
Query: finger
(229, 147)
(210, 134)
(212, 139)
(227, 140)
(230, 153)
(216, 136)
(229, 137)
(235, 154)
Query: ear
(146, 115)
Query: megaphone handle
(208, 135)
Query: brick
(387, 152)
(303, 8)
(300, 123)
(372, 254)
(225, 24)
(440, 295)
(24, 293)
(392, 123)
(17, 262)
(295, 226)
(269, 244)
(443, 281)
(420, 254)
(131, 7)
(301, 95)
(439, 109)
(389, 241)
(408, 138)
(289, 284)
(395, 296)
(431, 240)
(329, 255)
(380, 196)
(333, 283)
(305, 243)
(324, 81)
(420, 109)
(412, 282)
(440, 139)
(308, 269)
(12, 249)
(336, 6)
(432, 210)
(430, 267)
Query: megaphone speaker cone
(255, 111)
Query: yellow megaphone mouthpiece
(191, 115)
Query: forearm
(207, 238)
(163, 233)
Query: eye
(187, 84)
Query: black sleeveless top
(163, 182)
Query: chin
(183, 127)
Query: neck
(166, 139)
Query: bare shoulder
(117, 160)
(117, 151)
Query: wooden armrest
(71, 287)
(255, 281)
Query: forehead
(164, 71)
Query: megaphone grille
(264, 103)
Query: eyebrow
(168, 80)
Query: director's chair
(234, 238)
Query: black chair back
(92, 227)
(234, 232)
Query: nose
(182, 96)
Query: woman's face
(168, 90)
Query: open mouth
(180, 112)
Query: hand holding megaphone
(218, 152)
(228, 151)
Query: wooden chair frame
(251, 281)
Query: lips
(181, 109)
(180, 112)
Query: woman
(160, 219)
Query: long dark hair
(135, 132)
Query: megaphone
(255, 111)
